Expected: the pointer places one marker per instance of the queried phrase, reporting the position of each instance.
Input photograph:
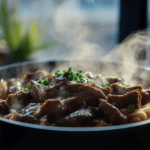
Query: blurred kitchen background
(79, 29)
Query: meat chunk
(116, 89)
(3, 107)
(114, 80)
(112, 113)
(3, 89)
(21, 117)
(106, 90)
(13, 85)
(42, 92)
(76, 119)
(31, 109)
(145, 96)
(123, 101)
(15, 101)
(44, 121)
(58, 108)
(100, 122)
(91, 94)
(34, 76)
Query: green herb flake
(131, 107)
(64, 70)
(105, 83)
(89, 81)
(46, 81)
(28, 85)
(51, 73)
(103, 74)
(91, 107)
(59, 73)
(41, 81)
(32, 100)
(119, 83)
(79, 71)
(56, 72)
(26, 89)
(21, 89)
(35, 84)
(125, 85)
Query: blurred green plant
(21, 42)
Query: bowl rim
(72, 129)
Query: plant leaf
(45, 45)
(5, 22)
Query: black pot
(17, 135)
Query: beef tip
(30, 109)
(15, 101)
(123, 101)
(112, 113)
(33, 76)
(137, 87)
(28, 113)
(116, 89)
(91, 94)
(44, 121)
(3, 107)
(28, 119)
(100, 122)
(3, 89)
(42, 92)
(76, 119)
(52, 80)
(13, 85)
(145, 96)
(114, 80)
(21, 117)
(58, 108)
(106, 90)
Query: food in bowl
(73, 99)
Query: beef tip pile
(72, 99)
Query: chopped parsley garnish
(51, 73)
(26, 89)
(125, 85)
(91, 107)
(35, 84)
(79, 71)
(41, 81)
(103, 74)
(78, 76)
(119, 83)
(89, 81)
(105, 83)
(64, 71)
(28, 85)
(46, 81)
(131, 107)
(32, 100)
